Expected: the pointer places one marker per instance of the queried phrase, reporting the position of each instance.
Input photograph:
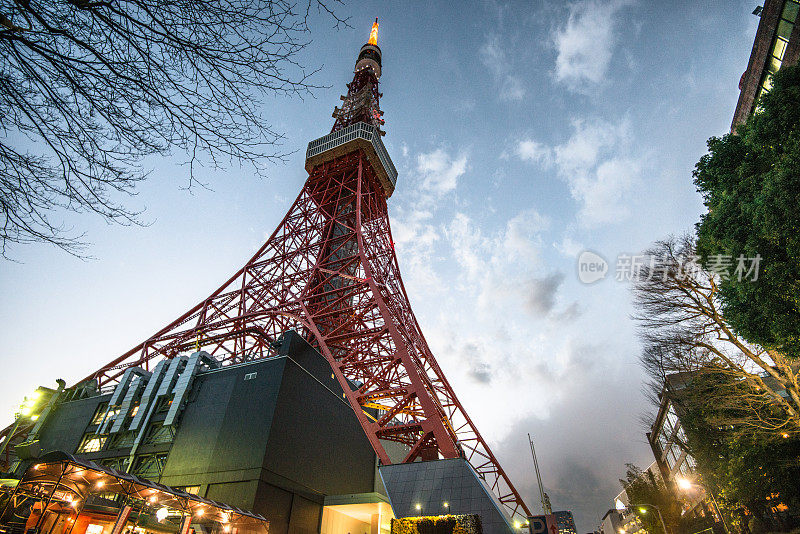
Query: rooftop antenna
(546, 508)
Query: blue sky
(524, 133)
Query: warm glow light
(373, 34)
(34, 417)
(152, 498)
(785, 435)
(642, 510)
(445, 504)
(161, 514)
(418, 506)
(226, 528)
(199, 512)
(683, 483)
(74, 504)
(100, 484)
(37, 466)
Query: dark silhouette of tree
(88, 88)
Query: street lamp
(643, 510)
(23, 412)
(686, 484)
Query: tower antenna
(545, 499)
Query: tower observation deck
(329, 272)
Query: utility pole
(546, 508)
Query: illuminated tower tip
(373, 34)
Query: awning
(63, 478)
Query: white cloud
(530, 150)
(569, 247)
(440, 171)
(503, 270)
(586, 42)
(496, 58)
(596, 164)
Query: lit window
(779, 49)
(99, 413)
(91, 443)
(193, 490)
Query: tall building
(302, 389)
(666, 437)
(777, 43)
(565, 522)
(675, 465)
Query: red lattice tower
(329, 272)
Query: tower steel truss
(329, 271)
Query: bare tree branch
(88, 88)
(683, 330)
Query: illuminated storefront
(62, 494)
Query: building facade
(565, 522)
(273, 436)
(777, 43)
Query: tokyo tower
(329, 272)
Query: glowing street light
(643, 511)
(683, 483)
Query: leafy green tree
(744, 472)
(644, 488)
(750, 183)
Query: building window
(782, 34)
(250, 376)
(150, 466)
(672, 418)
(158, 433)
(99, 413)
(681, 435)
(91, 443)
(118, 464)
(163, 404)
(662, 440)
(193, 490)
(121, 440)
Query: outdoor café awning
(61, 478)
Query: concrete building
(777, 43)
(675, 465)
(666, 437)
(273, 436)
